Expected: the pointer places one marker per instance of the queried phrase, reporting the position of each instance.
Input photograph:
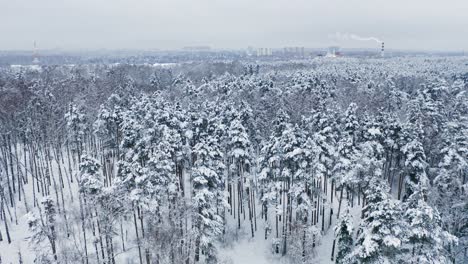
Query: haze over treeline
(125, 24)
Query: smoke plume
(349, 36)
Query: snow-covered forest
(346, 160)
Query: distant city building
(197, 48)
(262, 52)
(297, 52)
(333, 51)
(251, 51)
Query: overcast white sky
(169, 24)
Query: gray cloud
(167, 24)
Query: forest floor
(238, 247)
(244, 249)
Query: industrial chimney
(35, 54)
(382, 51)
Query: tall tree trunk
(197, 249)
(333, 250)
(83, 228)
(250, 212)
(5, 161)
(122, 235)
(285, 220)
(340, 201)
(254, 209)
(323, 215)
(304, 245)
(137, 236)
(9, 150)
(140, 214)
(100, 235)
(239, 204)
(400, 186)
(5, 220)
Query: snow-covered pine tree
(425, 235)
(91, 182)
(433, 107)
(294, 181)
(50, 222)
(43, 232)
(270, 171)
(217, 133)
(324, 137)
(415, 163)
(206, 181)
(103, 205)
(108, 123)
(240, 158)
(343, 236)
(391, 130)
(381, 231)
(76, 125)
(346, 149)
(449, 190)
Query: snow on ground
(241, 248)
(257, 250)
(9, 253)
(324, 250)
(19, 231)
(246, 251)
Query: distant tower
(382, 51)
(35, 54)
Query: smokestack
(35, 54)
(382, 51)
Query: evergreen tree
(425, 235)
(449, 194)
(415, 163)
(346, 149)
(381, 230)
(43, 232)
(206, 182)
(108, 123)
(344, 236)
(76, 124)
(91, 182)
